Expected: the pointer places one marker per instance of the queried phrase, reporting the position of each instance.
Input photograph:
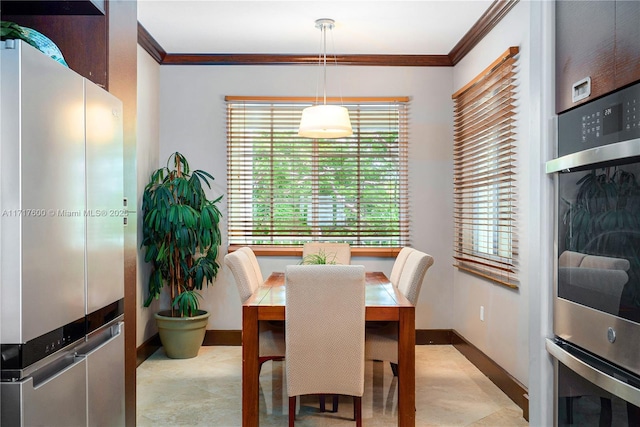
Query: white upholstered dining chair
(248, 276)
(398, 265)
(336, 253)
(325, 317)
(381, 343)
(246, 271)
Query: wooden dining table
(384, 302)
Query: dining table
(384, 302)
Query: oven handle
(613, 385)
(593, 156)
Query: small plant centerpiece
(181, 235)
(321, 257)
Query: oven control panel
(607, 120)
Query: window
(485, 241)
(285, 190)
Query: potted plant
(181, 235)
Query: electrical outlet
(482, 313)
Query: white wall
(504, 335)
(147, 157)
(192, 121)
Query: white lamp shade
(325, 121)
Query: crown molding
(284, 59)
(482, 27)
(488, 20)
(148, 43)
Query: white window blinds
(485, 192)
(283, 189)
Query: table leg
(407, 367)
(250, 367)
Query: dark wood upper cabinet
(78, 28)
(585, 48)
(51, 7)
(627, 42)
(597, 49)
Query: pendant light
(325, 121)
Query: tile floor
(206, 391)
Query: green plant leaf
(186, 302)
(156, 283)
(319, 258)
(205, 176)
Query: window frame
(234, 137)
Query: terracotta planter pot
(181, 337)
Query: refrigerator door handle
(56, 369)
(606, 382)
(101, 339)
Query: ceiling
(363, 27)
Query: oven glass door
(592, 392)
(599, 239)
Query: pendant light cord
(322, 60)
(324, 65)
(335, 61)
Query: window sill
(297, 251)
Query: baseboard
(222, 337)
(501, 378)
(211, 337)
(234, 337)
(434, 336)
(147, 349)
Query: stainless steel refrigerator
(62, 256)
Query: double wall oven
(596, 312)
